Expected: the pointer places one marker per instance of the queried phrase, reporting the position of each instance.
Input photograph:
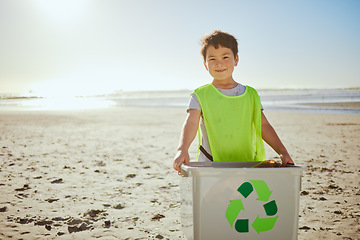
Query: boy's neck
(224, 84)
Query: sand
(107, 174)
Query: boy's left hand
(180, 158)
(285, 159)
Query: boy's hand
(180, 158)
(285, 159)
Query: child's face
(220, 62)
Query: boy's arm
(188, 134)
(270, 137)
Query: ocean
(339, 101)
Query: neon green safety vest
(233, 124)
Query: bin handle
(183, 172)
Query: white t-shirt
(194, 104)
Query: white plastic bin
(224, 201)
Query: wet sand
(107, 174)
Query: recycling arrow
(264, 224)
(261, 189)
(233, 210)
(270, 208)
(245, 189)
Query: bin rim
(234, 166)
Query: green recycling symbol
(236, 206)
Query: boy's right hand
(180, 158)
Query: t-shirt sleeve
(194, 103)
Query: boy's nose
(219, 63)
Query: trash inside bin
(235, 200)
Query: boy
(232, 123)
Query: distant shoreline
(346, 105)
(4, 95)
(340, 101)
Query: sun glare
(67, 103)
(68, 94)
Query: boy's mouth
(220, 70)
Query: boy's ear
(236, 59)
(206, 66)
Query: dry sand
(107, 174)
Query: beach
(107, 173)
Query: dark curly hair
(218, 38)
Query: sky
(87, 47)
